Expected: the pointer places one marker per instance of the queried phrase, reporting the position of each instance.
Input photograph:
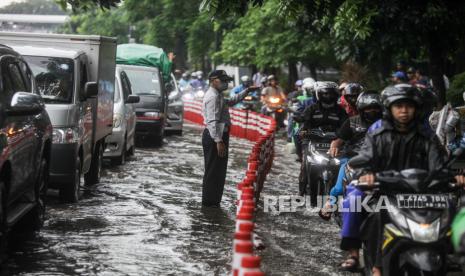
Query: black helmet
(327, 92)
(351, 93)
(399, 92)
(353, 89)
(370, 99)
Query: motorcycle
(275, 107)
(321, 169)
(250, 102)
(417, 230)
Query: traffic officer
(215, 138)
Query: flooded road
(145, 218)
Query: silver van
(122, 141)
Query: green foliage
(100, 22)
(264, 39)
(457, 87)
(33, 7)
(200, 39)
(86, 5)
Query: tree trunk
(293, 75)
(437, 68)
(313, 72)
(180, 50)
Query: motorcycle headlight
(423, 232)
(117, 120)
(200, 93)
(187, 97)
(397, 217)
(248, 98)
(274, 100)
(65, 135)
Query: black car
(25, 143)
(147, 83)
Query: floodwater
(145, 218)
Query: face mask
(223, 86)
(372, 116)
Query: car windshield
(144, 82)
(54, 77)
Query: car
(147, 83)
(75, 75)
(25, 145)
(122, 140)
(175, 115)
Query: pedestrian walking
(215, 137)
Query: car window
(54, 77)
(117, 91)
(144, 82)
(125, 85)
(27, 75)
(16, 78)
(7, 91)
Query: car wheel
(69, 191)
(158, 141)
(34, 220)
(3, 221)
(120, 160)
(95, 171)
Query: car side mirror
(25, 104)
(169, 87)
(132, 99)
(90, 89)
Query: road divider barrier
(261, 130)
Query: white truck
(75, 75)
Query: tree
(263, 39)
(378, 31)
(100, 22)
(33, 7)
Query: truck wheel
(158, 141)
(120, 160)
(34, 220)
(93, 176)
(69, 191)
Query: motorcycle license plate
(420, 201)
(322, 146)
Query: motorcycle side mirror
(357, 161)
(457, 152)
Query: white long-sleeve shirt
(215, 110)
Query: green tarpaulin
(144, 55)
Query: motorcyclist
(184, 81)
(303, 101)
(245, 82)
(349, 98)
(272, 90)
(399, 141)
(325, 113)
(292, 100)
(351, 136)
(197, 82)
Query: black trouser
(215, 169)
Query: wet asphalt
(145, 218)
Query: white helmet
(245, 78)
(308, 83)
(199, 74)
(194, 75)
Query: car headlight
(153, 115)
(65, 135)
(424, 232)
(117, 120)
